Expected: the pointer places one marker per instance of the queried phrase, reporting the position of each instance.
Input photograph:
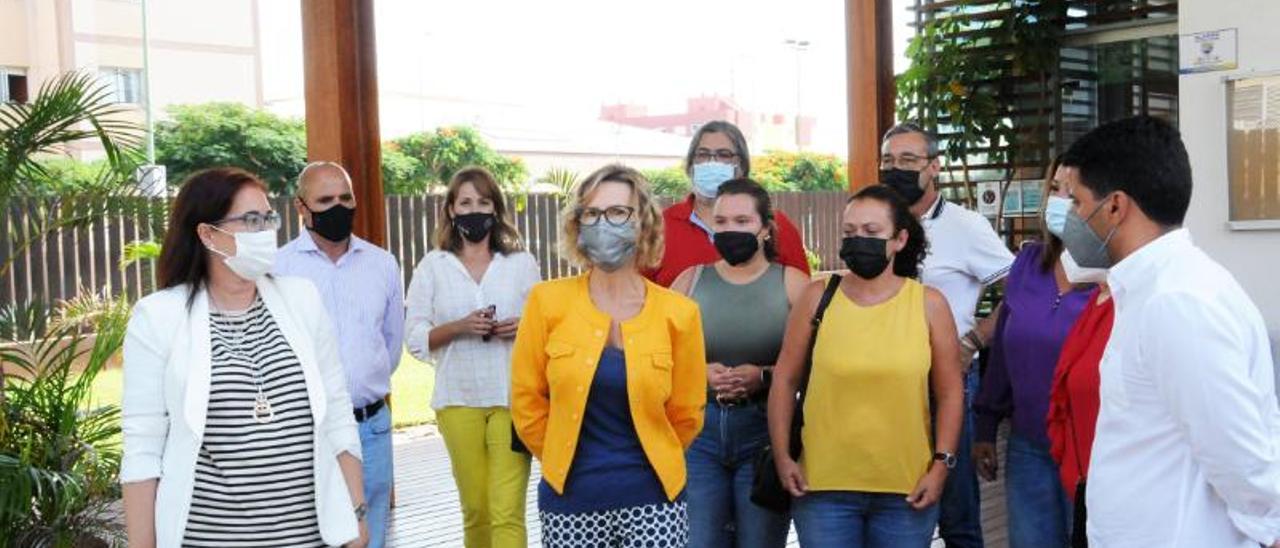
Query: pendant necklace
(262, 410)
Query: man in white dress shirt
(1187, 451)
(364, 296)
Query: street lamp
(798, 46)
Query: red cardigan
(1073, 403)
(688, 245)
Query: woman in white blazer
(235, 412)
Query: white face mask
(1077, 274)
(255, 253)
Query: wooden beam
(341, 73)
(869, 36)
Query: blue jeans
(1039, 510)
(721, 514)
(850, 519)
(960, 523)
(375, 445)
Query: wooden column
(869, 33)
(341, 72)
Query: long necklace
(262, 411)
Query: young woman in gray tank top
(745, 298)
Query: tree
(670, 181)
(230, 134)
(780, 171)
(441, 153)
(399, 171)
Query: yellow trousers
(491, 478)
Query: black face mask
(736, 247)
(866, 257)
(905, 182)
(474, 226)
(333, 224)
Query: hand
(749, 377)
(719, 377)
(791, 475)
(363, 541)
(929, 489)
(477, 323)
(984, 459)
(506, 329)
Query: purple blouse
(1034, 321)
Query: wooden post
(341, 72)
(869, 35)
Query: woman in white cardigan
(235, 413)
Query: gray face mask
(608, 247)
(1088, 250)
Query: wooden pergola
(340, 59)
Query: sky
(569, 57)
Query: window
(1254, 151)
(125, 83)
(13, 85)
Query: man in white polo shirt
(1187, 449)
(965, 256)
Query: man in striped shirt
(364, 295)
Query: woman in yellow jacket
(609, 377)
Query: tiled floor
(427, 513)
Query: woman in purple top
(1039, 308)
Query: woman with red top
(717, 153)
(1074, 400)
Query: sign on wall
(1253, 147)
(1021, 198)
(1207, 51)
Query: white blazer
(166, 397)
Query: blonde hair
(649, 245)
(504, 238)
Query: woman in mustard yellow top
(870, 473)
(609, 377)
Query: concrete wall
(1254, 256)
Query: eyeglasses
(905, 161)
(614, 215)
(255, 221)
(720, 155)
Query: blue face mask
(708, 177)
(1055, 214)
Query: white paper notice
(1207, 51)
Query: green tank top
(742, 323)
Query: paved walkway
(427, 512)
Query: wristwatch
(949, 459)
(766, 376)
(361, 511)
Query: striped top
(254, 483)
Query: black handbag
(1079, 535)
(517, 445)
(766, 487)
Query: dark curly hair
(764, 208)
(906, 263)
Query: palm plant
(69, 109)
(59, 455)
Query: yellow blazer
(557, 349)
